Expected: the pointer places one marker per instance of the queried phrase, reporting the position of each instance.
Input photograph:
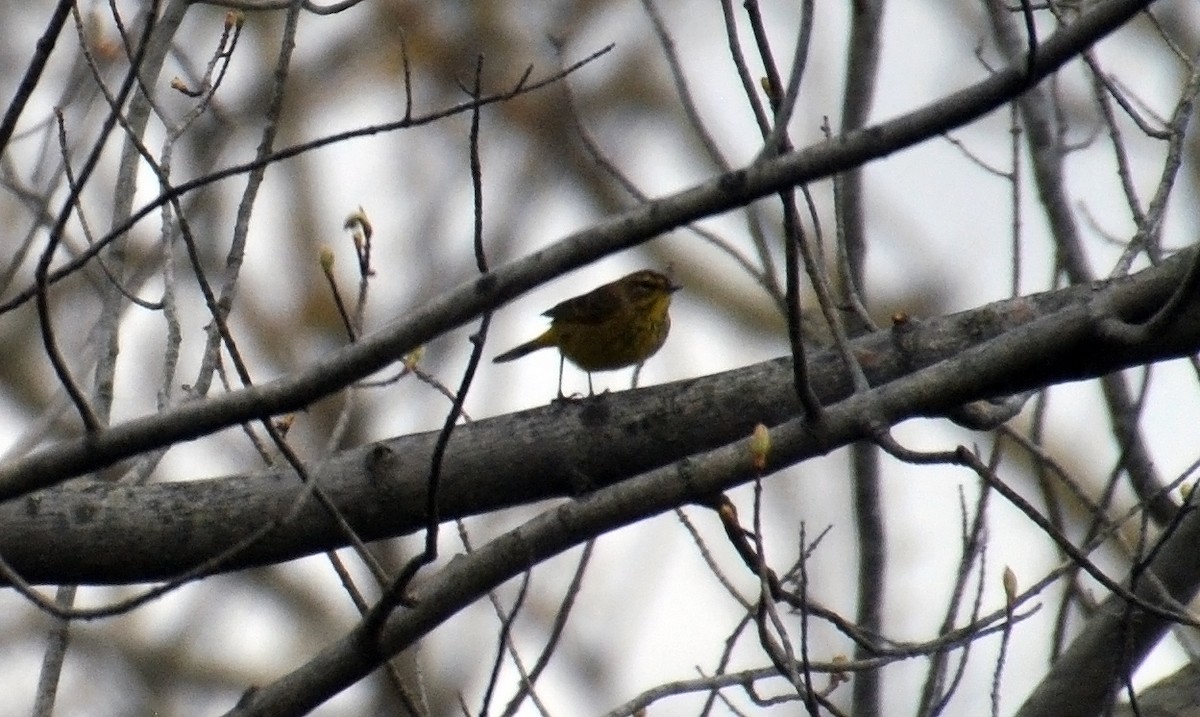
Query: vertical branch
(1014, 178)
(862, 72)
(777, 141)
(872, 566)
(92, 422)
(802, 592)
(53, 658)
(393, 594)
(254, 179)
(439, 451)
(59, 634)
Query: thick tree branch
(61, 461)
(98, 532)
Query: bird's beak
(673, 287)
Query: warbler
(617, 325)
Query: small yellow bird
(620, 324)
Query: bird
(613, 326)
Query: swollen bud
(760, 445)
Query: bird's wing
(593, 307)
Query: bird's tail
(528, 347)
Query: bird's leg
(591, 392)
(561, 360)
